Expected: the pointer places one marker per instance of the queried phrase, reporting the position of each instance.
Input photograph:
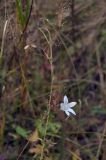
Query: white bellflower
(67, 107)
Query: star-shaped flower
(67, 107)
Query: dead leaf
(33, 137)
(36, 150)
(48, 158)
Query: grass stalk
(51, 89)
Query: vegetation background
(50, 49)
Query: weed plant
(50, 49)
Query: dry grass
(59, 50)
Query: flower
(67, 107)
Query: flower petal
(68, 113)
(65, 99)
(71, 111)
(62, 106)
(72, 104)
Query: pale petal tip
(75, 114)
(65, 99)
(72, 104)
(65, 96)
(67, 113)
(71, 111)
(75, 103)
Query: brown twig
(101, 142)
(73, 19)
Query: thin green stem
(51, 90)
